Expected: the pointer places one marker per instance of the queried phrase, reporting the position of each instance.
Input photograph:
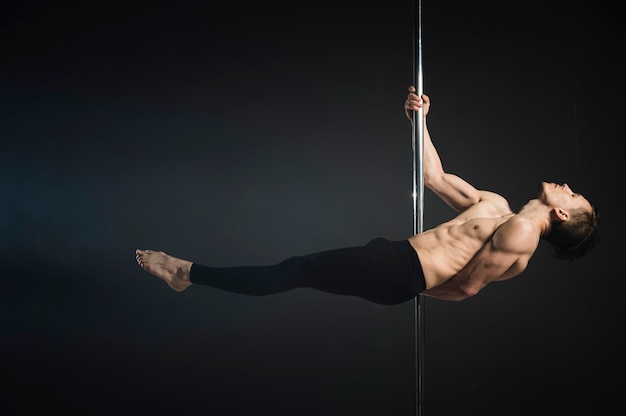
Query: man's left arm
(506, 255)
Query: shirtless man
(486, 242)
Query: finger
(412, 105)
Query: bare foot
(174, 271)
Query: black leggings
(385, 272)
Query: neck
(537, 212)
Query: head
(574, 221)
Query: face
(562, 196)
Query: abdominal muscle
(445, 250)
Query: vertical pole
(417, 140)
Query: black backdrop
(242, 133)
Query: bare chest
(446, 249)
(479, 229)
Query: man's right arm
(453, 190)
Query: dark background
(233, 133)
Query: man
(486, 242)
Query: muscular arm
(504, 256)
(453, 190)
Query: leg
(384, 272)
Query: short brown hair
(574, 238)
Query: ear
(558, 214)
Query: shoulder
(492, 197)
(517, 235)
(490, 205)
(514, 243)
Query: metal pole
(417, 140)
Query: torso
(444, 250)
